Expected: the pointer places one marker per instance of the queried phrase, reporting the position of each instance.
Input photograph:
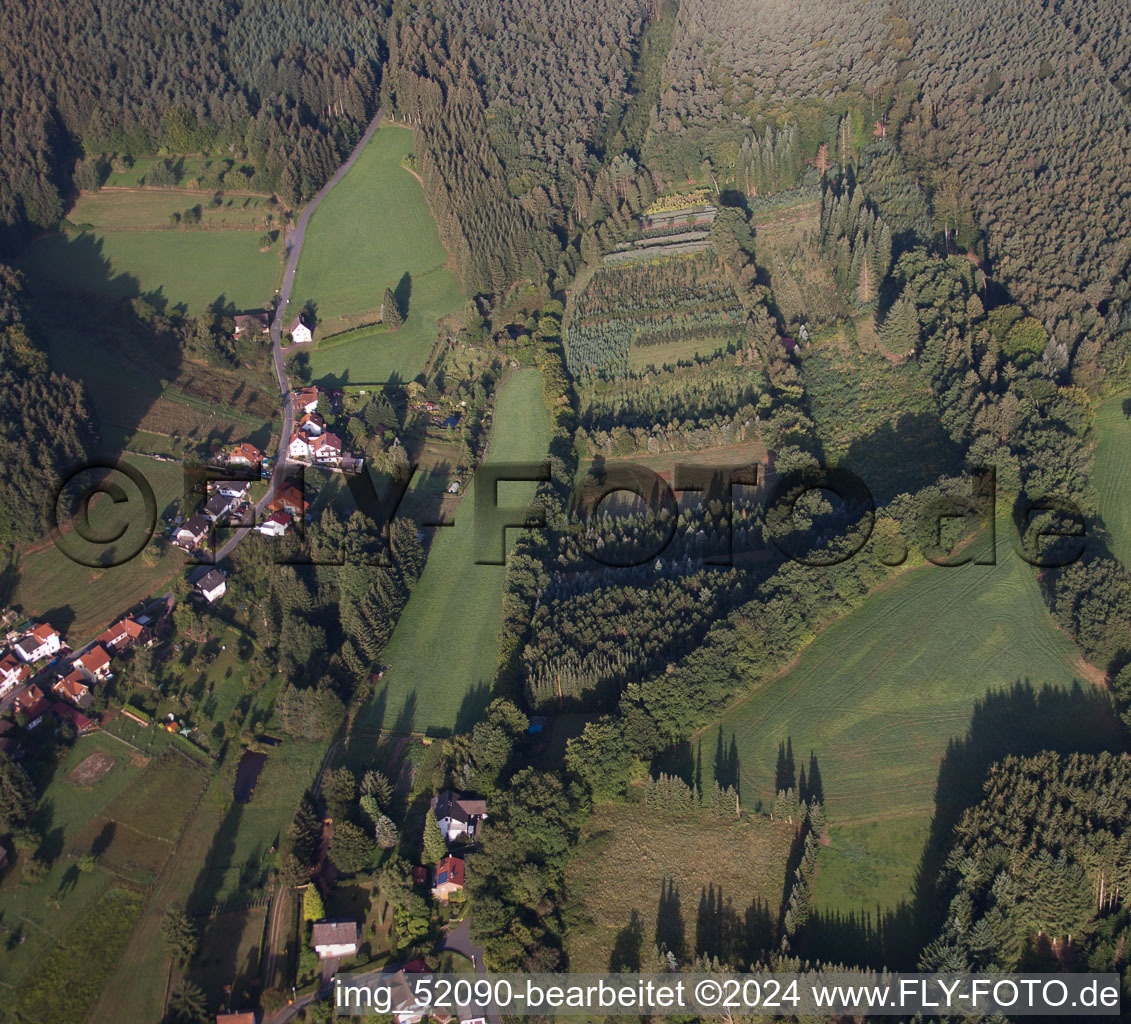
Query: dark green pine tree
(900, 330)
(390, 311)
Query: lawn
(880, 694)
(67, 981)
(372, 230)
(81, 601)
(123, 211)
(444, 650)
(229, 955)
(191, 267)
(641, 357)
(1113, 476)
(639, 877)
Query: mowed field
(629, 854)
(373, 229)
(152, 209)
(1113, 475)
(81, 601)
(443, 652)
(879, 694)
(187, 266)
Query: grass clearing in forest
(1113, 474)
(443, 652)
(879, 694)
(628, 856)
(191, 267)
(374, 230)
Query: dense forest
(47, 424)
(284, 92)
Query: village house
(12, 673)
(72, 687)
(306, 400)
(245, 455)
(312, 425)
(238, 1017)
(406, 1007)
(300, 333)
(289, 499)
(275, 525)
(447, 879)
(300, 446)
(252, 323)
(327, 449)
(334, 939)
(211, 586)
(216, 506)
(123, 635)
(193, 532)
(457, 815)
(32, 704)
(95, 664)
(66, 713)
(41, 642)
(236, 490)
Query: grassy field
(628, 854)
(879, 694)
(125, 211)
(444, 649)
(372, 230)
(1113, 475)
(221, 842)
(229, 955)
(640, 357)
(81, 601)
(191, 267)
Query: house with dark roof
(211, 586)
(193, 532)
(41, 642)
(458, 815)
(334, 938)
(216, 506)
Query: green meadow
(374, 230)
(179, 266)
(444, 650)
(1113, 476)
(878, 696)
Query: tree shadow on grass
(1018, 720)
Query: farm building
(334, 938)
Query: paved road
(296, 237)
(458, 940)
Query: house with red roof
(72, 687)
(12, 672)
(95, 664)
(244, 455)
(66, 713)
(275, 525)
(447, 878)
(306, 400)
(289, 499)
(123, 635)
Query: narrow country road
(296, 237)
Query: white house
(312, 425)
(41, 642)
(245, 455)
(275, 525)
(327, 449)
(300, 446)
(95, 664)
(193, 532)
(12, 673)
(234, 489)
(456, 815)
(211, 586)
(306, 400)
(300, 333)
(334, 938)
(216, 506)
